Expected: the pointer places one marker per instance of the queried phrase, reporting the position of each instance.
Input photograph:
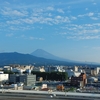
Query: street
(11, 96)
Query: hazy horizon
(68, 29)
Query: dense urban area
(51, 78)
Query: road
(6, 94)
(13, 96)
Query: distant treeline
(57, 76)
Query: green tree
(8, 72)
(62, 76)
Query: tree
(8, 72)
(62, 76)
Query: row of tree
(58, 76)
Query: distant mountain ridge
(25, 59)
(45, 54)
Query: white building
(75, 68)
(60, 69)
(4, 77)
(6, 68)
(73, 73)
(39, 69)
(97, 70)
(22, 69)
(28, 67)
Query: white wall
(4, 77)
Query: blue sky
(65, 28)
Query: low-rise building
(27, 79)
(52, 68)
(39, 69)
(73, 73)
(81, 80)
(4, 78)
(76, 68)
(22, 68)
(6, 68)
(94, 71)
(92, 79)
(55, 68)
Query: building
(27, 79)
(1, 72)
(60, 69)
(97, 69)
(22, 68)
(72, 73)
(39, 69)
(4, 78)
(79, 81)
(13, 78)
(52, 69)
(92, 80)
(92, 71)
(5, 68)
(76, 68)
(88, 70)
(18, 70)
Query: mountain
(25, 59)
(45, 54)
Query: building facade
(79, 81)
(27, 79)
(4, 77)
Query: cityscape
(64, 79)
(49, 49)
